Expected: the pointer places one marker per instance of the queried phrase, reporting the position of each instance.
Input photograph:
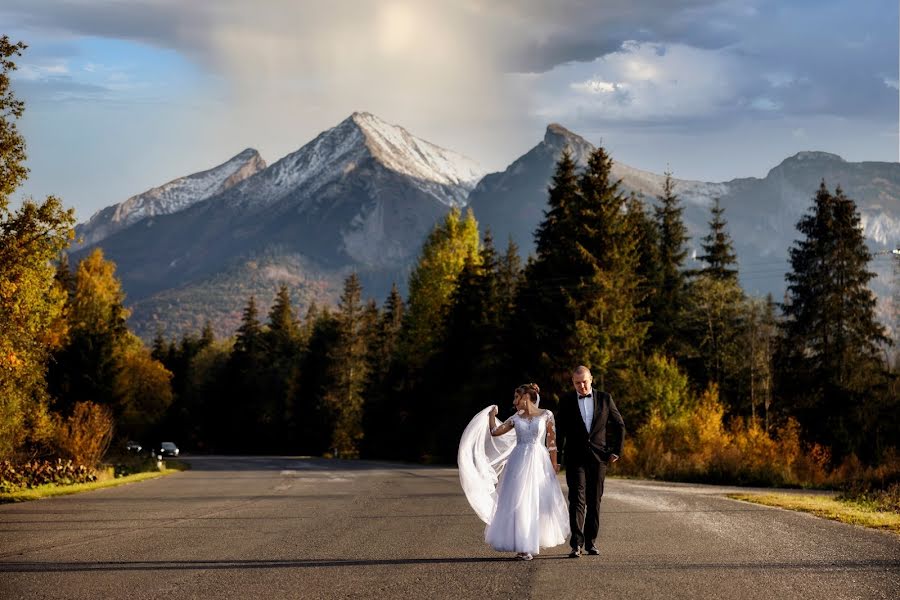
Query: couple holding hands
(508, 470)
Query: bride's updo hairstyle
(531, 389)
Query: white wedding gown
(510, 482)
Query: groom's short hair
(581, 370)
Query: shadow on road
(61, 567)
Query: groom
(592, 431)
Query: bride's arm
(551, 440)
(499, 429)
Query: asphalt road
(236, 527)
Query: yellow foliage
(694, 444)
(85, 435)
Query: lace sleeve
(551, 432)
(503, 427)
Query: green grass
(845, 511)
(106, 480)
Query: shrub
(32, 473)
(85, 435)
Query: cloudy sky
(123, 95)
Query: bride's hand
(493, 410)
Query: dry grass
(845, 511)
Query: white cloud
(35, 72)
(642, 81)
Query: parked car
(133, 446)
(168, 449)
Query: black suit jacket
(606, 434)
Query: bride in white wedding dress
(509, 476)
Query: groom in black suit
(591, 431)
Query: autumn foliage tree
(32, 305)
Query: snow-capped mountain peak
(171, 197)
(404, 153)
(445, 175)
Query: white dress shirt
(586, 406)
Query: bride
(509, 476)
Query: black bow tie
(580, 397)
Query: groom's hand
(613, 458)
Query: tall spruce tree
(283, 347)
(349, 369)
(579, 303)
(611, 329)
(546, 320)
(648, 266)
(831, 357)
(718, 247)
(241, 428)
(381, 412)
(668, 305)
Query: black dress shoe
(575, 553)
(593, 551)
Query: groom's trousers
(585, 483)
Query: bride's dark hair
(531, 389)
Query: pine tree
(831, 337)
(283, 348)
(580, 300)
(648, 266)
(668, 304)
(207, 336)
(509, 277)
(719, 254)
(611, 331)
(242, 429)
(349, 369)
(545, 319)
(381, 410)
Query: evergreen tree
(382, 410)
(713, 324)
(580, 300)
(313, 380)
(207, 336)
(668, 304)
(283, 346)
(241, 429)
(349, 369)
(546, 320)
(509, 277)
(611, 331)
(648, 266)
(160, 348)
(718, 248)
(831, 358)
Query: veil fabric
(481, 458)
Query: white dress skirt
(527, 510)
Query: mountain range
(363, 195)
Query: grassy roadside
(845, 511)
(106, 480)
